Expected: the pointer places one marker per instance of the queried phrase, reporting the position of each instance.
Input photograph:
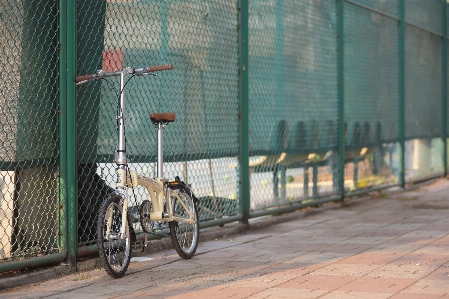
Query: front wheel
(113, 246)
(184, 235)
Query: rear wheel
(184, 235)
(114, 248)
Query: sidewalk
(380, 247)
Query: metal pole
(341, 97)
(443, 83)
(72, 199)
(62, 126)
(121, 119)
(160, 151)
(244, 187)
(401, 112)
(279, 52)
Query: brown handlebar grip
(83, 78)
(158, 68)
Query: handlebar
(139, 72)
(158, 68)
(84, 78)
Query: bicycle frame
(115, 236)
(126, 178)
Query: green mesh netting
(29, 129)
(424, 146)
(371, 98)
(293, 100)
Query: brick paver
(379, 247)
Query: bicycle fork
(124, 210)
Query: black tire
(184, 235)
(145, 209)
(115, 253)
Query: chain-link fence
(30, 218)
(293, 101)
(344, 97)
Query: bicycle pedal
(138, 246)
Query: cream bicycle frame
(157, 191)
(127, 178)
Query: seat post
(160, 150)
(160, 120)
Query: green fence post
(401, 120)
(62, 110)
(72, 201)
(341, 96)
(244, 188)
(444, 82)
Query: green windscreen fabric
(423, 84)
(390, 7)
(28, 68)
(371, 96)
(371, 70)
(423, 65)
(200, 40)
(292, 96)
(29, 119)
(424, 14)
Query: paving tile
(218, 293)
(425, 236)
(317, 282)
(417, 296)
(356, 295)
(436, 226)
(398, 249)
(424, 258)
(292, 293)
(442, 242)
(427, 287)
(343, 270)
(370, 258)
(154, 292)
(363, 239)
(377, 285)
(265, 281)
(387, 232)
(291, 270)
(411, 271)
(319, 257)
(442, 273)
(349, 248)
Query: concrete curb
(34, 277)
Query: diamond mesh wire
(293, 100)
(28, 130)
(200, 39)
(425, 14)
(293, 97)
(390, 7)
(424, 147)
(371, 98)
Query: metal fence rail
(280, 105)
